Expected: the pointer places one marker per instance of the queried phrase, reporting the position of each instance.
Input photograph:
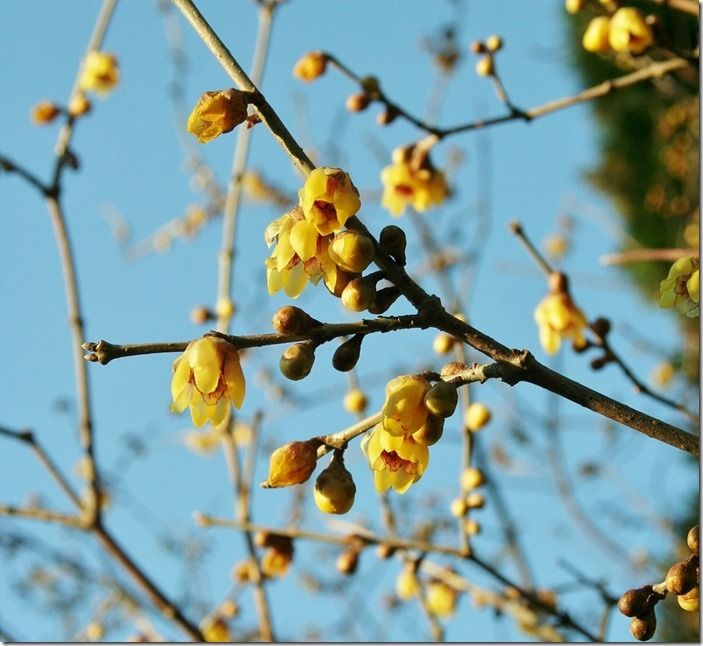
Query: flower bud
(406, 585)
(45, 112)
(358, 101)
(441, 599)
(441, 399)
(681, 578)
(225, 308)
(244, 572)
(292, 463)
(472, 478)
(79, 105)
(475, 501)
(387, 117)
(355, 401)
(459, 507)
(644, 626)
(296, 361)
(601, 327)
(370, 85)
(336, 281)
(201, 314)
(472, 527)
(431, 431)
(352, 251)
(443, 343)
(635, 602)
(477, 47)
(574, 6)
(293, 320)
(359, 294)
(596, 38)
(384, 299)
(348, 561)
(217, 112)
(215, 629)
(229, 608)
(347, 354)
(310, 67)
(690, 600)
(494, 43)
(385, 551)
(393, 242)
(334, 488)
(477, 416)
(692, 539)
(278, 557)
(485, 67)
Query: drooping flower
(396, 460)
(100, 72)
(328, 199)
(558, 317)
(629, 32)
(404, 410)
(207, 377)
(216, 113)
(44, 112)
(312, 65)
(596, 38)
(681, 288)
(412, 181)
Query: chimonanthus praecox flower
(629, 31)
(100, 72)
(596, 38)
(412, 181)
(328, 199)
(311, 66)
(681, 288)
(404, 410)
(216, 113)
(206, 378)
(396, 460)
(558, 317)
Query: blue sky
(132, 163)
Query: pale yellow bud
(334, 488)
(352, 251)
(355, 401)
(471, 478)
(441, 399)
(292, 463)
(477, 416)
(485, 67)
(406, 585)
(443, 343)
(494, 43)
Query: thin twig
(516, 229)
(39, 513)
(646, 255)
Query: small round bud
(644, 626)
(345, 357)
(351, 251)
(681, 578)
(348, 561)
(45, 112)
(393, 241)
(229, 608)
(472, 527)
(441, 399)
(225, 308)
(310, 67)
(690, 600)
(370, 85)
(558, 283)
(387, 117)
(385, 551)
(441, 599)
(336, 281)
(292, 463)
(335, 490)
(431, 431)
(358, 101)
(600, 362)
(472, 478)
(485, 67)
(384, 299)
(359, 294)
(601, 327)
(293, 320)
(635, 602)
(406, 585)
(494, 43)
(692, 539)
(477, 47)
(574, 6)
(79, 105)
(296, 361)
(443, 343)
(201, 314)
(477, 416)
(459, 507)
(475, 501)
(355, 401)
(244, 572)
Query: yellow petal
(549, 339)
(303, 239)
(198, 410)
(294, 281)
(402, 480)
(234, 378)
(180, 377)
(382, 480)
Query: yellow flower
(404, 410)
(328, 199)
(397, 461)
(629, 32)
(216, 630)
(441, 599)
(311, 66)
(100, 73)
(297, 255)
(45, 112)
(558, 318)
(596, 38)
(216, 113)
(681, 288)
(351, 251)
(403, 186)
(206, 378)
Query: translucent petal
(234, 378)
(274, 280)
(549, 339)
(303, 239)
(402, 481)
(180, 403)
(180, 378)
(382, 480)
(284, 252)
(198, 410)
(218, 412)
(294, 281)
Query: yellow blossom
(403, 185)
(216, 630)
(407, 585)
(558, 318)
(216, 113)
(629, 32)
(311, 66)
(596, 38)
(441, 599)
(100, 73)
(45, 112)
(397, 461)
(328, 199)
(277, 558)
(404, 410)
(206, 378)
(681, 288)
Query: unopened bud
(292, 463)
(335, 490)
(201, 314)
(406, 585)
(352, 251)
(358, 101)
(347, 354)
(370, 85)
(348, 561)
(45, 112)
(601, 327)
(393, 241)
(574, 6)
(297, 360)
(311, 66)
(472, 527)
(359, 294)
(600, 362)
(441, 399)
(293, 320)
(475, 501)
(635, 602)
(477, 416)
(384, 299)
(472, 478)
(79, 105)
(681, 578)
(690, 600)
(644, 627)
(494, 43)
(477, 47)
(558, 283)
(431, 431)
(458, 508)
(485, 67)
(692, 539)
(443, 343)
(387, 117)
(385, 551)
(355, 401)
(225, 308)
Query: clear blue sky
(132, 163)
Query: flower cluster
(100, 72)
(681, 288)
(412, 180)
(207, 377)
(625, 31)
(558, 318)
(412, 419)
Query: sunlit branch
(646, 255)
(39, 513)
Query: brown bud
(370, 85)
(644, 626)
(601, 327)
(358, 101)
(477, 47)
(347, 354)
(635, 602)
(201, 314)
(384, 299)
(441, 399)
(297, 360)
(385, 551)
(293, 320)
(600, 362)
(387, 117)
(681, 577)
(292, 463)
(692, 539)
(558, 283)
(359, 294)
(393, 242)
(431, 431)
(348, 561)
